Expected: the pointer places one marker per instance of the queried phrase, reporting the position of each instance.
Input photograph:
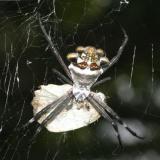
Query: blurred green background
(26, 62)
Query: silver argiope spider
(87, 64)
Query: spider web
(26, 63)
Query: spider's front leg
(110, 115)
(58, 107)
(47, 108)
(114, 116)
(105, 115)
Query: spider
(86, 65)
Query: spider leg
(101, 81)
(54, 49)
(61, 76)
(116, 58)
(115, 116)
(58, 108)
(46, 109)
(101, 110)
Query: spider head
(88, 57)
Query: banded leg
(104, 114)
(54, 49)
(119, 53)
(58, 108)
(115, 116)
(101, 81)
(46, 109)
(64, 78)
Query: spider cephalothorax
(88, 57)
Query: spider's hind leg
(53, 48)
(61, 77)
(119, 53)
(101, 81)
